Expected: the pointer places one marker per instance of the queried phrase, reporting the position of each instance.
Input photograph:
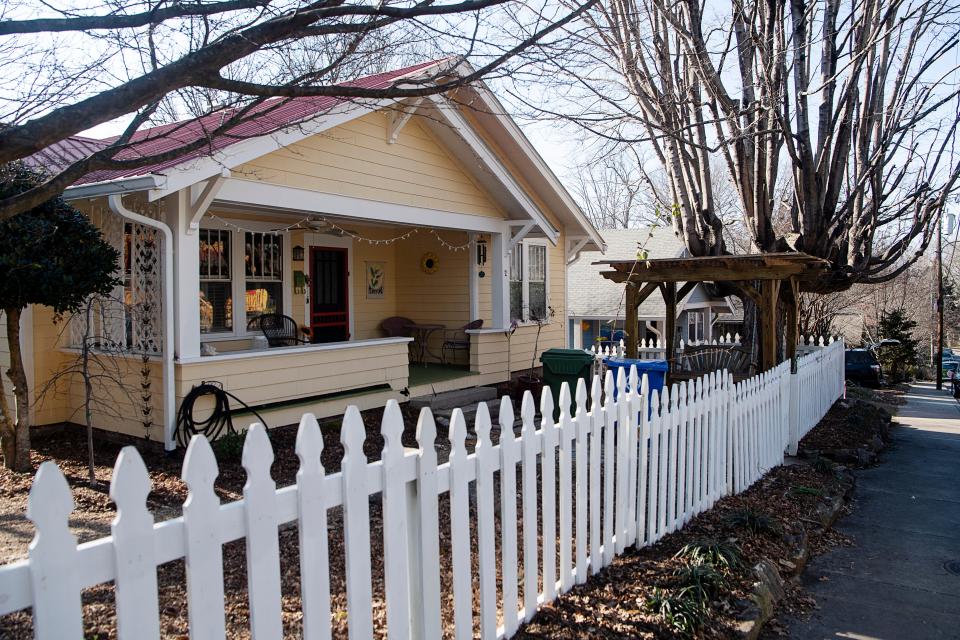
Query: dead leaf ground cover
(611, 604)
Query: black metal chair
(458, 339)
(278, 329)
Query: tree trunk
(16, 445)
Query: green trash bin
(565, 365)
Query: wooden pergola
(779, 276)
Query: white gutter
(169, 399)
(117, 185)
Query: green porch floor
(433, 373)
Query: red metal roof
(274, 114)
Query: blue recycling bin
(656, 371)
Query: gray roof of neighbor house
(592, 296)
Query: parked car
(950, 369)
(862, 366)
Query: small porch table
(421, 335)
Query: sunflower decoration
(429, 262)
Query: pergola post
(630, 324)
(769, 292)
(669, 290)
(793, 303)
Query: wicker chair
(278, 329)
(458, 339)
(396, 327)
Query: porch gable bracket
(399, 116)
(449, 112)
(199, 203)
(522, 229)
(575, 245)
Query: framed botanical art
(375, 274)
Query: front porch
(338, 279)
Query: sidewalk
(893, 584)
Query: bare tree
(855, 104)
(150, 60)
(611, 191)
(103, 365)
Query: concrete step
(450, 400)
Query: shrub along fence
(624, 470)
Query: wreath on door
(429, 262)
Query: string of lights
(450, 247)
(305, 224)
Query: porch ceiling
(247, 196)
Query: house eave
(133, 184)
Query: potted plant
(507, 387)
(532, 381)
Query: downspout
(115, 202)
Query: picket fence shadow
(622, 470)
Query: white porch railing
(633, 475)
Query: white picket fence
(820, 380)
(622, 471)
(656, 349)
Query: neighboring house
(731, 323)
(339, 215)
(596, 305)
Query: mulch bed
(861, 423)
(613, 604)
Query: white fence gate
(623, 470)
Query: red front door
(329, 295)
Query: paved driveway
(894, 584)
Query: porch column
(500, 283)
(472, 278)
(186, 272)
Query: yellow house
(338, 216)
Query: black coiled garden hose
(220, 418)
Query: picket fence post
(138, 614)
(395, 526)
(528, 437)
(312, 531)
(582, 425)
(509, 456)
(460, 527)
(548, 471)
(356, 526)
(262, 539)
(424, 537)
(204, 553)
(56, 596)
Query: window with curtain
(216, 295)
(263, 266)
(528, 282)
(537, 282)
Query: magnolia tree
(146, 62)
(853, 107)
(50, 255)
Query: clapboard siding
(354, 159)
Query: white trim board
(289, 351)
(455, 123)
(266, 196)
(324, 240)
